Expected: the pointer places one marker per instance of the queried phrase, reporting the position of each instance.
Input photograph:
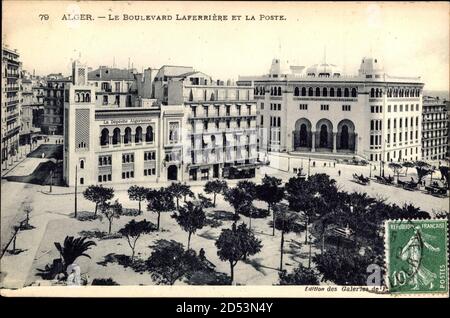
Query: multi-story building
(114, 86)
(11, 104)
(434, 128)
(104, 142)
(32, 107)
(320, 111)
(54, 104)
(180, 125)
(217, 124)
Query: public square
(52, 219)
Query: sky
(409, 38)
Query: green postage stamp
(417, 256)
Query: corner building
(174, 124)
(318, 111)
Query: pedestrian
(43, 155)
(339, 173)
(324, 164)
(334, 164)
(314, 164)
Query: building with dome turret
(318, 111)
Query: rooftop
(108, 73)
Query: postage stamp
(417, 256)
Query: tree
(186, 192)
(344, 267)
(315, 196)
(271, 193)
(191, 218)
(423, 169)
(169, 261)
(286, 222)
(160, 201)
(239, 199)
(133, 231)
(137, 193)
(111, 211)
(407, 165)
(235, 244)
(98, 195)
(396, 168)
(216, 187)
(178, 190)
(300, 276)
(73, 248)
(445, 172)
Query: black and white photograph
(225, 148)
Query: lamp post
(310, 243)
(51, 180)
(309, 166)
(76, 182)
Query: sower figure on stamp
(412, 253)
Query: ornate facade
(319, 110)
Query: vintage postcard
(225, 149)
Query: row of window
(275, 106)
(325, 92)
(228, 124)
(275, 121)
(116, 137)
(217, 110)
(375, 124)
(239, 95)
(394, 135)
(401, 108)
(411, 121)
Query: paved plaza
(52, 211)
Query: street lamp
(310, 243)
(76, 182)
(309, 166)
(51, 180)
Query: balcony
(12, 88)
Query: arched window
(407, 93)
(325, 92)
(104, 138)
(401, 93)
(303, 91)
(127, 137)
(81, 164)
(279, 91)
(212, 97)
(77, 97)
(82, 97)
(271, 91)
(88, 98)
(346, 92)
(310, 91)
(116, 136)
(389, 93)
(353, 92)
(138, 135)
(332, 92)
(339, 92)
(149, 134)
(372, 92)
(296, 91)
(395, 92)
(317, 91)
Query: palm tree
(73, 248)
